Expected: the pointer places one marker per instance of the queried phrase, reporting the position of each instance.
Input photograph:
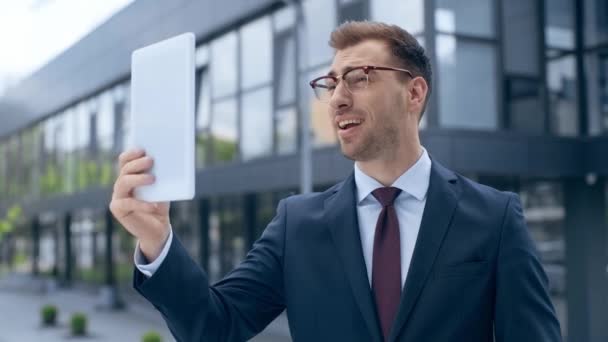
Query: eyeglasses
(355, 79)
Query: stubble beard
(373, 145)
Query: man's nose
(341, 97)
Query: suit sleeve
(523, 311)
(234, 309)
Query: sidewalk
(21, 300)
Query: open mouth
(348, 124)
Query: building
(520, 104)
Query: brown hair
(402, 44)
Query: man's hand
(148, 222)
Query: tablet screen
(162, 116)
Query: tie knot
(386, 196)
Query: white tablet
(162, 116)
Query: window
(120, 118)
(467, 84)
(561, 81)
(520, 37)
(256, 57)
(522, 80)
(559, 26)
(203, 118)
(544, 211)
(285, 80)
(352, 10)
(224, 65)
(407, 14)
(466, 17)
(596, 22)
(597, 91)
(524, 108)
(257, 124)
(224, 130)
(320, 20)
(286, 135)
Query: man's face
(379, 111)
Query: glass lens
(356, 79)
(324, 87)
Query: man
(402, 250)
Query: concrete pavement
(21, 300)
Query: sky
(33, 32)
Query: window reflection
(285, 80)
(467, 85)
(407, 14)
(597, 91)
(524, 107)
(256, 57)
(320, 17)
(544, 211)
(596, 21)
(470, 17)
(520, 37)
(224, 65)
(561, 81)
(559, 27)
(257, 124)
(224, 130)
(203, 118)
(286, 130)
(226, 236)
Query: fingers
(129, 155)
(125, 206)
(138, 165)
(126, 183)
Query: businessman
(402, 250)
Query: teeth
(343, 123)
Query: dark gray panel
(596, 155)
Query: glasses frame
(366, 69)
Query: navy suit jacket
(475, 274)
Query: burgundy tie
(386, 268)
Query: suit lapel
(442, 197)
(341, 217)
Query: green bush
(151, 336)
(49, 314)
(78, 324)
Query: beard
(371, 145)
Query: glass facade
(467, 88)
(514, 76)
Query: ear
(417, 92)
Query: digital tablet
(162, 116)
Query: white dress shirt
(409, 206)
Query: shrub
(49, 315)
(151, 336)
(78, 324)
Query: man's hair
(408, 52)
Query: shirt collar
(414, 181)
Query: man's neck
(388, 168)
